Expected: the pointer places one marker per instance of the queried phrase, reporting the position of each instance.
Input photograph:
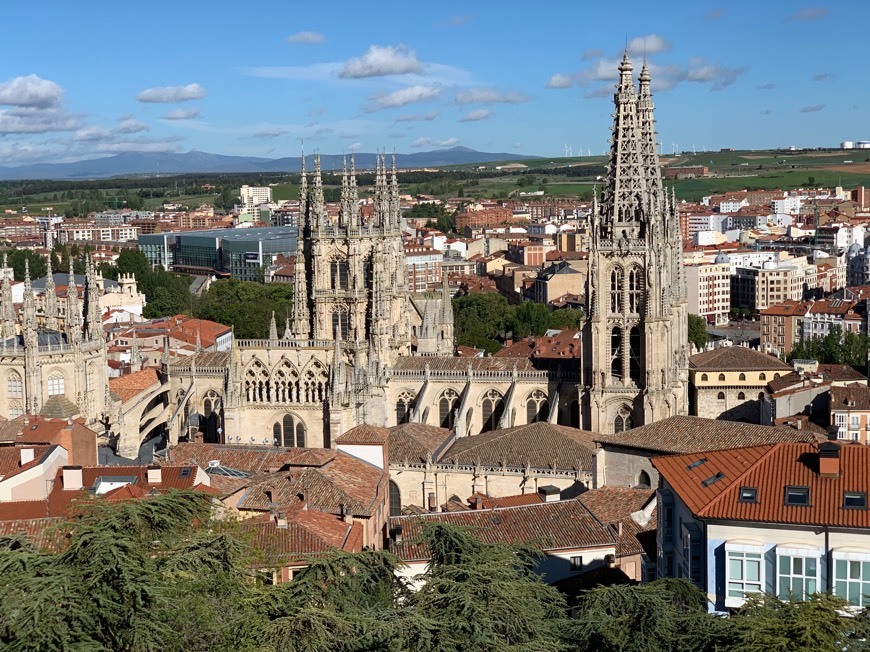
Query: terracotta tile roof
(770, 469)
(614, 506)
(685, 434)
(564, 345)
(45, 533)
(10, 459)
(850, 398)
(343, 481)
(308, 533)
(129, 385)
(538, 445)
(415, 442)
(510, 501)
(208, 359)
(549, 526)
(364, 434)
(252, 460)
(736, 358)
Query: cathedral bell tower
(635, 341)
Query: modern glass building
(237, 253)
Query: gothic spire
(94, 324)
(273, 328)
(301, 324)
(28, 319)
(353, 197)
(446, 302)
(73, 325)
(395, 210)
(50, 303)
(7, 308)
(648, 138)
(344, 206)
(288, 332)
(318, 207)
(303, 186)
(135, 354)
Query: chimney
(396, 534)
(26, 455)
(432, 506)
(478, 502)
(550, 493)
(829, 460)
(346, 515)
(281, 520)
(155, 474)
(72, 478)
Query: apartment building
(782, 326)
(708, 288)
(758, 288)
(424, 266)
(850, 413)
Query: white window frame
(798, 560)
(851, 562)
(56, 384)
(746, 556)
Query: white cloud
(418, 117)
(306, 37)
(27, 120)
(168, 94)
(86, 134)
(481, 95)
(474, 116)
(560, 81)
(130, 126)
(591, 54)
(31, 91)
(403, 96)
(428, 142)
(182, 114)
(650, 44)
(382, 60)
(517, 145)
(354, 147)
(273, 132)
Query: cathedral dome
(721, 258)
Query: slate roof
(685, 434)
(549, 526)
(538, 445)
(59, 407)
(736, 358)
(770, 469)
(415, 442)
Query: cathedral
(361, 347)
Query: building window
(721, 378)
(447, 408)
(704, 377)
(634, 355)
(290, 432)
(537, 407)
(615, 290)
(855, 500)
(55, 384)
(622, 422)
(742, 376)
(721, 396)
(404, 406)
(797, 577)
(616, 353)
(741, 396)
(690, 568)
(799, 496)
(14, 386)
(492, 408)
(762, 376)
(643, 479)
(748, 495)
(339, 325)
(635, 290)
(395, 500)
(576, 564)
(745, 575)
(852, 579)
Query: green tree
(698, 332)
(572, 318)
(37, 264)
(481, 320)
(530, 319)
(245, 305)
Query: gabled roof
(10, 459)
(364, 434)
(770, 469)
(129, 385)
(614, 506)
(854, 397)
(560, 525)
(307, 533)
(685, 434)
(736, 358)
(538, 445)
(415, 442)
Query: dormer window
(748, 495)
(797, 496)
(855, 500)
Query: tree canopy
(836, 347)
(698, 332)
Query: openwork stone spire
(7, 308)
(51, 322)
(301, 324)
(73, 309)
(318, 205)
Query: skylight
(696, 464)
(713, 479)
(855, 500)
(799, 496)
(748, 494)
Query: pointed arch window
(339, 324)
(404, 406)
(623, 420)
(338, 274)
(492, 409)
(634, 355)
(395, 500)
(537, 407)
(56, 384)
(14, 386)
(290, 432)
(447, 407)
(616, 278)
(616, 353)
(643, 479)
(635, 290)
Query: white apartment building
(424, 266)
(709, 290)
(758, 288)
(711, 222)
(789, 205)
(253, 196)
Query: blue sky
(94, 78)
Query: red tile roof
(364, 434)
(307, 533)
(129, 385)
(770, 469)
(549, 526)
(736, 358)
(415, 442)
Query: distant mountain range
(150, 163)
